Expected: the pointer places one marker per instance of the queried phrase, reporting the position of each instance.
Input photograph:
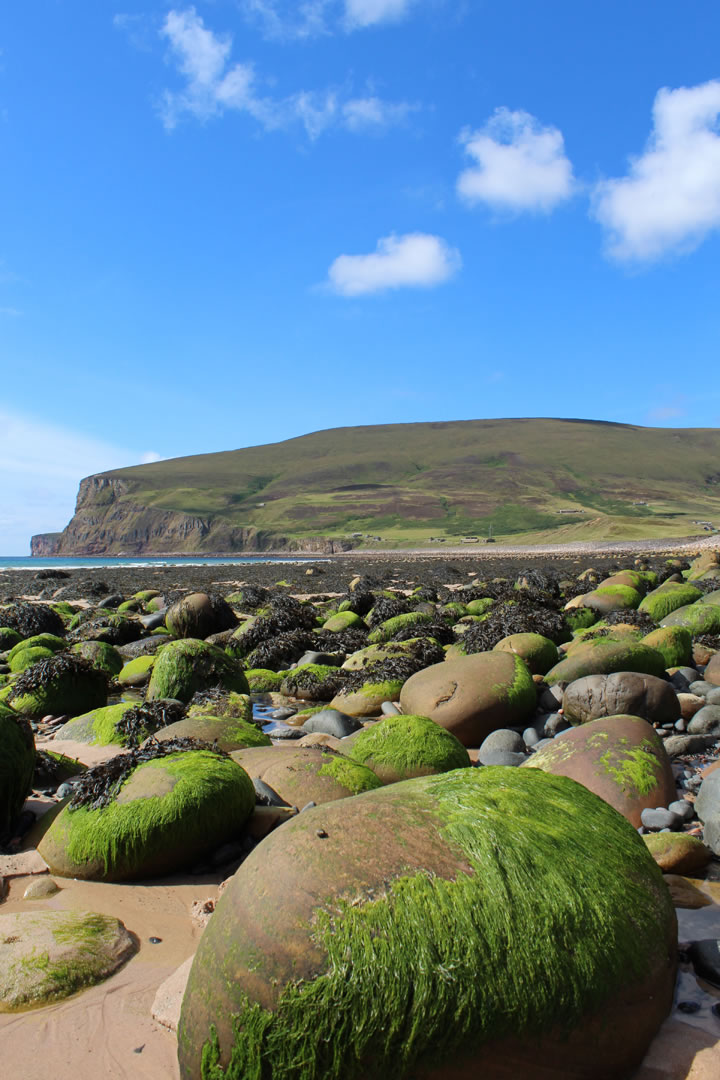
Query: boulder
(674, 643)
(303, 774)
(668, 597)
(400, 747)
(369, 698)
(538, 652)
(17, 764)
(199, 615)
(102, 656)
(604, 656)
(712, 671)
(430, 929)
(678, 853)
(184, 667)
(47, 955)
(230, 733)
(472, 695)
(698, 618)
(168, 812)
(62, 684)
(619, 758)
(622, 692)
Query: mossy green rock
(538, 652)
(137, 672)
(606, 598)
(443, 927)
(367, 700)
(303, 774)
(102, 656)
(199, 615)
(47, 955)
(698, 618)
(310, 682)
(678, 853)
(23, 658)
(709, 560)
(374, 654)
(343, 620)
(65, 690)
(263, 680)
(8, 638)
(168, 813)
(400, 747)
(184, 667)
(390, 627)
(604, 656)
(668, 597)
(52, 642)
(674, 643)
(226, 705)
(472, 695)
(620, 758)
(230, 733)
(97, 727)
(17, 764)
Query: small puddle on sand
(694, 925)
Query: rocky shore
(461, 813)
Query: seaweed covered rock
(303, 774)
(31, 619)
(400, 747)
(23, 658)
(698, 618)
(52, 642)
(184, 667)
(538, 652)
(603, 656)
(122, 724)
(101, 655)
(620, 758)
(228, 732)
(613, 596)
(158, 810)
(62, 683)
(624, 692)
(668, 597)
(674, 643)
(47, 955)
(199, 615)
(313, 682)
(368, 698)
(472, 695)
(17, 764)
(430, 929)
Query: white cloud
(301, 21)
(670, 198)
(414, 260)
(360, 13)
(213, 85)
(520, 165)
(41, 466)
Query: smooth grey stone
(531, 736)
(502, 739)
(707, 804)
(677, 745)
(683, 809)
(153, 620)
(266, 795)
(331, 722)
(389, 708)
(501, 757)
(326, 658)
(711, 833)
(713, 697)
(282, 731)
(555, 724)
(705, 958)
(282, 713)
(660, 818)
(702, 688)
(681, 724)
(706, 721)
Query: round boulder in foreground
(168, 812)
(445, 927)
(472, 695)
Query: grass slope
(527, 479)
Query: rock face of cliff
(109, 520)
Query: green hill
(527, 480)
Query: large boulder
(493, 922)
(303, 774)
(538, 652)
(472, 695)
(64, 683)
(47, 955)
(698, 618)
(619, 758)
(674, 643)
(603, 656)
(184, 667)
(165, 813)
(199, 615)
(622, 692)
(17, 764)
(400, 747)
(230, 733)
(668, 597)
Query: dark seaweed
(139, 721)
(440, 631)
(45, 671)
(629, 616)
(385, 608)
(279, 652)
(31, 619)
(521, 617)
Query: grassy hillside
(526, 480)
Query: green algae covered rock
(430, 929)
(303, 774)
(311, 682)
(472, 695)
(400, 747)
(620, 758)
(136, 672)
(52, 642)
(63, 683)
(17, 764)
(23, 658)
(390, 627)
(184, 667)
(668, 597)
(674, 643)
(103, 727)
(229, 733)
(538, 652)
(604, 656)
(47, 955)
(167, 813)
(698, 618)
(613, 597)
(102, 656)
(367, 699)
(343, 620)
(8, 637)
(264, 681)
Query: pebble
(389, 708)
(660, 818)
(683, 809)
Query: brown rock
(678, 853)
(712, 671)
(304, 774)
(622, 693)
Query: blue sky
(234, 222)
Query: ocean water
(25, 562)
